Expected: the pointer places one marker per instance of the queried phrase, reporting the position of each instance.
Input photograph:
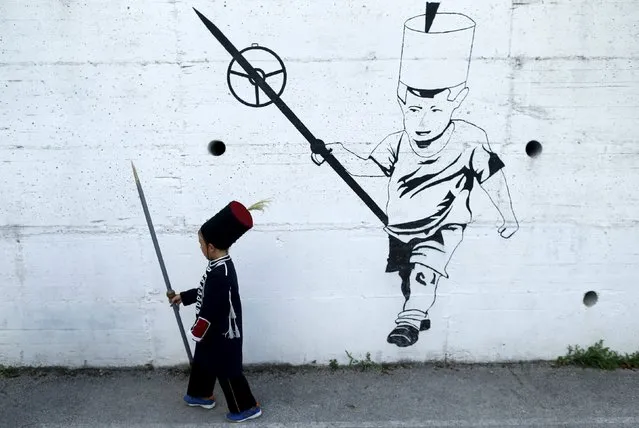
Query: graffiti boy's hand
(318, 147)
(508, 228)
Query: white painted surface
(88, 87)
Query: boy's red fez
(227, 226)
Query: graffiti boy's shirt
(427, 191)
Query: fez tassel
(317, 146)
(161, 261)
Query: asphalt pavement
(519, 395)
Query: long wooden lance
(169, 290)
(317, 146)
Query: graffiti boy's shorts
(434, 251)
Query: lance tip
(135, 172)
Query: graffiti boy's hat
(229, 224)
(439, 58)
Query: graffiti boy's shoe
(251, 413)
(207, 403)
(409, 324)
(403, 335)
(407, 334)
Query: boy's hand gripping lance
(169, 291)
(317, 146)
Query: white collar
(219, 259)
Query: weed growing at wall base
(362, 364)
(9, 371)
(598, 356)
(366, 364)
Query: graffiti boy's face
(427, 117)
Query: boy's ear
(461, 97)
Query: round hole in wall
(590, 298)
(217, 147)
(533, 148)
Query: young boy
(217, 330)
(433, 165)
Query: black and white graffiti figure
(432, 165)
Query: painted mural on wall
(432, 165)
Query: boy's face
(204, 247)
(427, 118)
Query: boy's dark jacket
(220, 349)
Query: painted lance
(169, 290)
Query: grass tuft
(366, 364)
(600, 357)
(7, 372)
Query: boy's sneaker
(251, 413)
(202, 402)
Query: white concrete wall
(87, 87)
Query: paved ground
(532, 395)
